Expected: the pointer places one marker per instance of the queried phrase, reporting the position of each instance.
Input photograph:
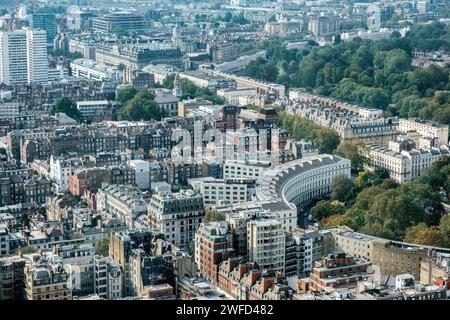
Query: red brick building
(230, 273)
(213, 244)
(338, 271)
(92, 178)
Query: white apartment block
(257, 100)
(78, 262)
(23, 56)
(323, 25)
(45, 280)
(239, 63)
(428, 129)
(266, 244)
(87, 49)
(246, 82)
(160, 71)
(60, 171)
(91, 69)
(13, 57)
(422, 159)
(237, 219)
(237, 215)
(302, 180)
(37, 56)
(90, 109)
(426, 143)
(176, 215)
(423, 6)
(299, 254)
(217, 192)
(58, 73)
(405, 165)
(276, 28)
(108, 278)
(142, 173)
(232, 95)
(242, 169)
(394, 162)
(126, 203)
(300, 95)
(304, 246)
(374, 35)
(370, 112)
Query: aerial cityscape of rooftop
(224, 150)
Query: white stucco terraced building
(406, 165)
(91, 69)
(244, 169)
(301, 180)
(223, 191)
(429, 129)
(266, 244)
(125, 202)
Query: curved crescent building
(301, 180)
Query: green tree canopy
(102, 247)
(190, 90)
(126, 94)
(191, 248)
(212, 215)
(239, 19)
(65, 105)
(325, 208)
(324, 139)
(444, 227)
(342, 187)
(366, 197)
(355, 150)
(141, 107)
(391, 213)
(228, 16)
(377, 74)
(422, 234)
(66, 53)
(25, 250)
(337, 220)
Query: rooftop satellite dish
(444, 263)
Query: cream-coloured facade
(427, 129)
(176, 215)
(232, 95)
(266, 244)
(242, 169)
(45, 280)
(391, 257)
(302, 180)
(223, 191)
(91, 69)
(127, 203)
(405, 165)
